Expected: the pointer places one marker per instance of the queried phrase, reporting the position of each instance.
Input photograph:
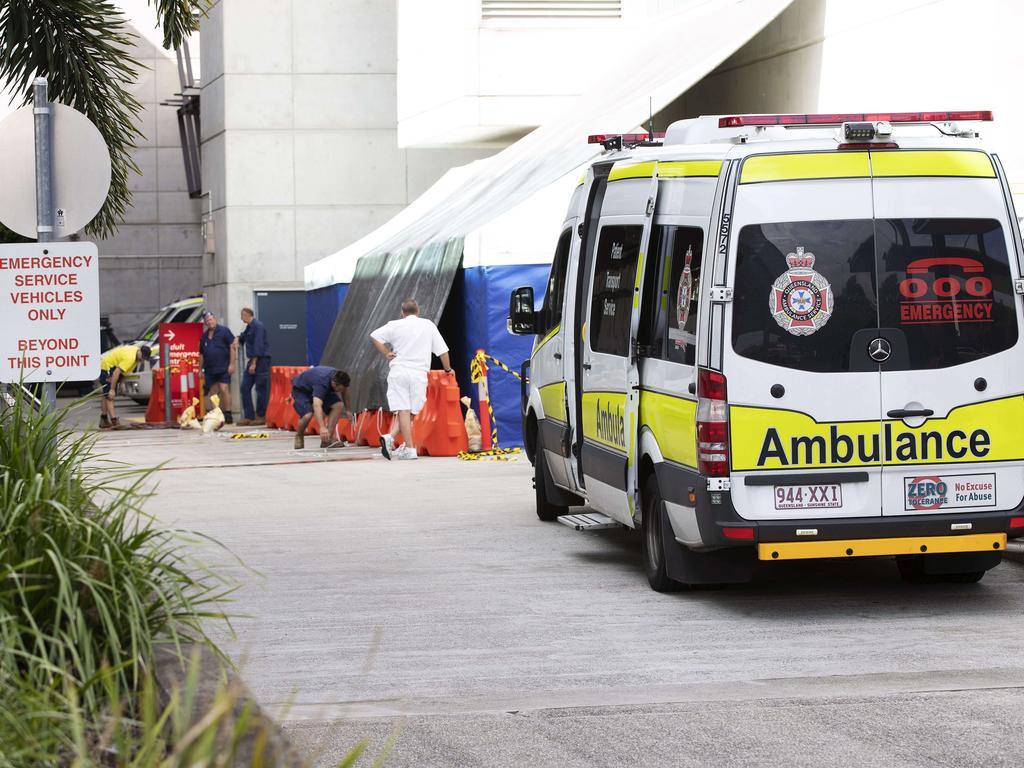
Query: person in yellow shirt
(116, 363)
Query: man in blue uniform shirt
(217, 359)
(257, 369)
(320, 391)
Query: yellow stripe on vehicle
(677, 169)
(913, 545)
(766, 438)
(807, 165)
(548, 337)
(552, 399)
(631, 171)
(689, 169)
(639, 279)
(673, 421)
(604, 419)
(928, 163)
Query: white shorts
(407, 390)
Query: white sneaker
(405, 452)
(387, 446)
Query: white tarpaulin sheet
(652, 67)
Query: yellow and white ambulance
(775, 337)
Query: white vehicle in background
(189, 310)
(786, 337)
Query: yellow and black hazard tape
(475, 371)
(249, 436)
(494, 454)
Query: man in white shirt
(407, 344)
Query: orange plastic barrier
(280, 390)
(345, 430)
(370, 425)
(155, 409)
(440, 429)
(183, 388)
(280, 412)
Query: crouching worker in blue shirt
(321, 391)
(257, 369)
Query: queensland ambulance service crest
(683, 293)
(801, 300)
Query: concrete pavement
(424, 601)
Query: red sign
(963, 296)
(181, 341)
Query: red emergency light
(740, 121)
(627, 138)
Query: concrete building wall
(155, 257)
(877, 55)
(467, 77)
(300, 150)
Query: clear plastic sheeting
(653, 65)
(380, 283)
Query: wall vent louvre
(551, 9)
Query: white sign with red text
(49, 312)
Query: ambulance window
(182, 315)
(802, 290)
(611, 299)
(946, 284)
(554, 294)
(649, 333)
(683, 247)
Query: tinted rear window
(802, 290)
(946, 284)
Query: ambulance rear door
(804, 399)
(609, 399)
(953, 376)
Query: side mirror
(522, 319)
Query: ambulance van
(778, 337)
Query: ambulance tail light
(712, 424)
(1017, 522)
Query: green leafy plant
(87, 580)
(81, 46)
(172, 730)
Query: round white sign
(81, 171)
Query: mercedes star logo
(879, 350)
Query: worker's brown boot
(300, 441)
(259, 421)
(115, 422)
(104, 421)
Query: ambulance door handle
(586, 366)
(903, 413)
(692, 387)
(557, 355)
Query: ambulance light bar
(619, 140)
(739, 121)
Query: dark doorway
(284, 315)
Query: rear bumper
(712, 518)
(912, 545)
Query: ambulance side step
(590, 521)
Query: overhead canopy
(652, 67)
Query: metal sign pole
(44, 191)
(165, 353)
